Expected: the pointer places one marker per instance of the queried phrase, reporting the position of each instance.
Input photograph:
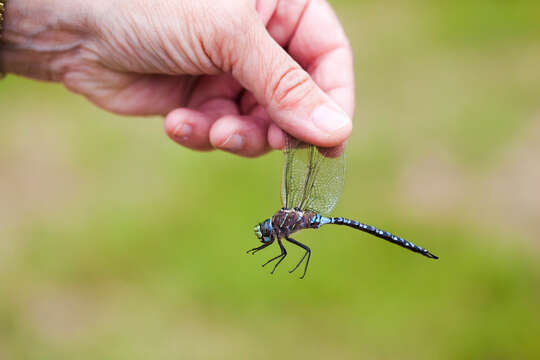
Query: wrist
(39, 36)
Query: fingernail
(233, 143)
(183, 130)
(329, 119)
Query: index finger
(317, 41)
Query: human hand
(218, 70)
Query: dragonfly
(312, 182)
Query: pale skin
(230, 74)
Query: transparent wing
(312, 177)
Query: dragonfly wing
(312, 177)
(292, 185)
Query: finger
(266, 8)
(316, 18)
(211, 98)
(334, 73)
(191, 128)
(333, 152)
(275, 137)
(213, 87)
(248, 105)
(240, 135)
(327, 56)
(285, 20)
(219, 107)
(291, 98)
(276, 140)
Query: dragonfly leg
(280, 256)
(307, 253)
(254, 250)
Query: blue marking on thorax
(315, 220)
(284, 219)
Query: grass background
(117, 244)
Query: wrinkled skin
(228, 74)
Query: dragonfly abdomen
(385, 235)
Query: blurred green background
(117, 244)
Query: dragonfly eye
(266, 227)
(258, 232)
(263, 231)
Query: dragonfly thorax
(288, 221)
(263, 231)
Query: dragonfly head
(263, 231)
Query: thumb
(287, 92)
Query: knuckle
(290, 88)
